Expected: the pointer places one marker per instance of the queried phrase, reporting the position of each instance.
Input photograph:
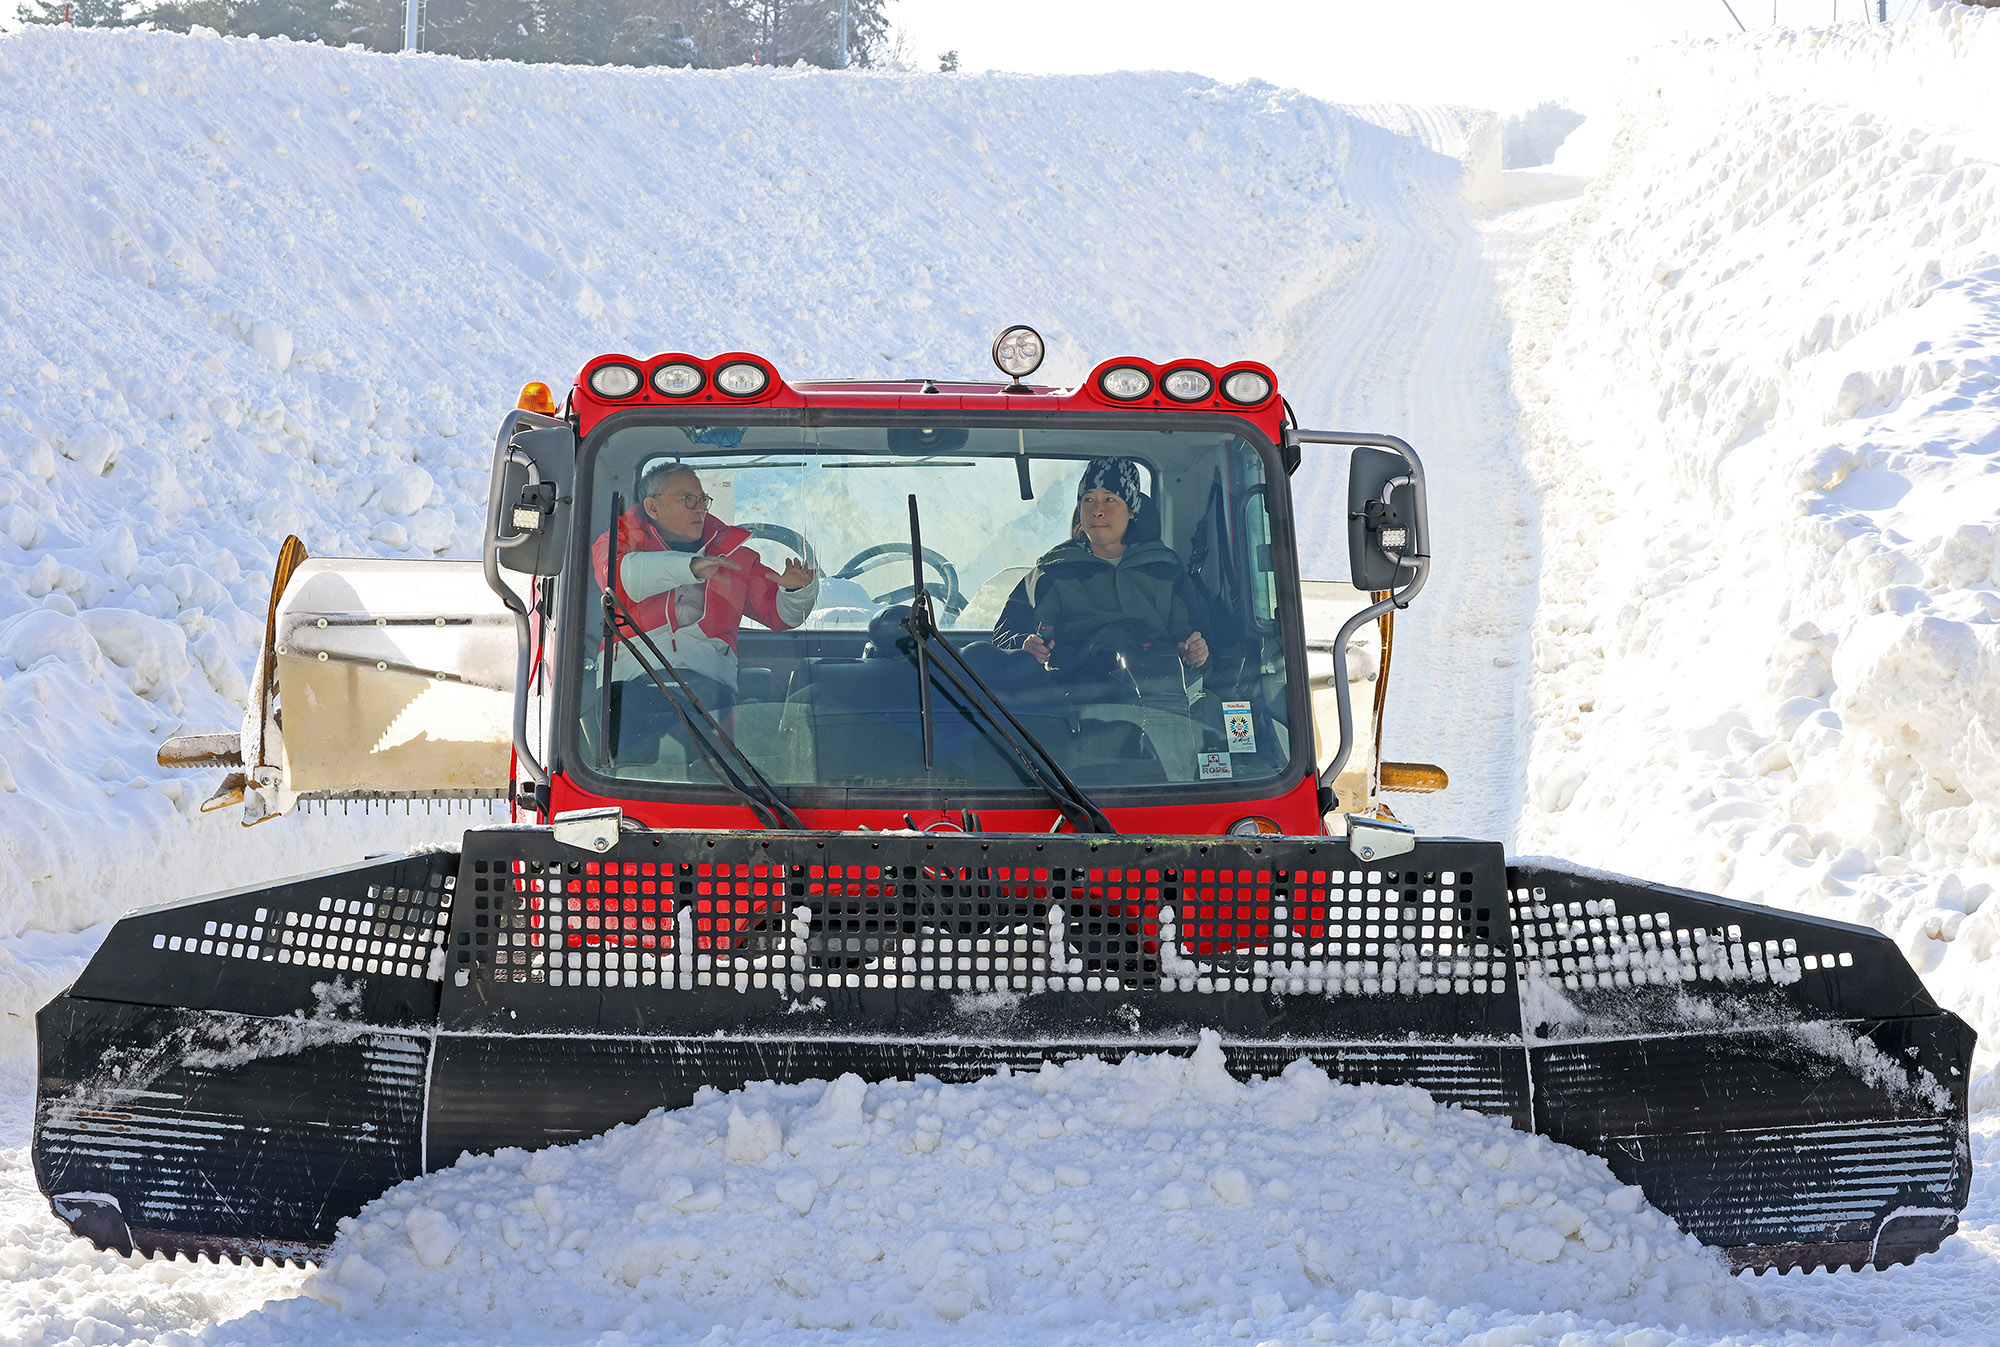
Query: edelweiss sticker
(1239, 730)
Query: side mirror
(534, 485)
(1387, 534)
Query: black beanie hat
(1119, 476)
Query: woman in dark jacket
(1113, 589)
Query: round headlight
(614, 381)
(1018, 351)
(1246, 386)
(1252, 827)
(1125, 382)
(742, 379)
(677, 380)
(1187, 385)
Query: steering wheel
(883, 553)
(791, 538)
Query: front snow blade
(231, 1076)
(1780, 1085)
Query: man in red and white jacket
(687, 578)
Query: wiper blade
(751, 786)
(1083, 815)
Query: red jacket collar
(638, 533)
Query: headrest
(1145, 526)
(886, 636)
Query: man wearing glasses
(688, 580)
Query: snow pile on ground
(1531, 138)
(1761, 370)
(259, 288)
(1156, 1191)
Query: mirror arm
(1417, 559)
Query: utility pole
(410, 24)
(843, 34)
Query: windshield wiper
(755, 791)
(771, 811)
(1040, 764)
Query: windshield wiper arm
(751, 786)
(922, 624)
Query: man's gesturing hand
(705, 568)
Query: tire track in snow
(1412, 341)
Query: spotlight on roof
(1018, 352)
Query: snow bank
(259, 288)
(1761, 371)
(1156, 1192)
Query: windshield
(1113, 587)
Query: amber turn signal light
(1419, 778)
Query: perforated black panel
(1594, 938)
(1246, 922)
(918, 933)
(368, 936)
(1593, 944)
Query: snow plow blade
(231, 1075)
(234, 1075)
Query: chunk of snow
(273, 342)
(41, 634)
(432, 1235)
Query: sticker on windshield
(1238, 729)
(1212, 765)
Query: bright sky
(1501, 54)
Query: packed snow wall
(259, 288)
(1761, 368)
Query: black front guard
(235, 1074)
